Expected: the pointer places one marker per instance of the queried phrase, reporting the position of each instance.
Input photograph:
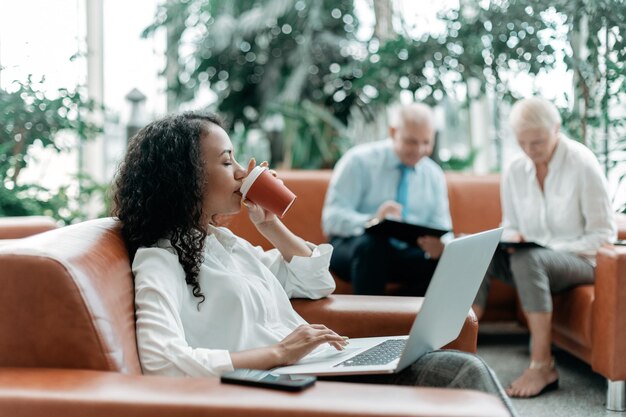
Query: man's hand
(389, 208)
(431, 245)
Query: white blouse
(572, 214)
(247, 303)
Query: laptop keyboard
(381, 354)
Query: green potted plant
(28, 117)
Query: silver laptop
(448, 299)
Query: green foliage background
(285, 56)
(302, 62)
(27, 118)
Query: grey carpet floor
(581, 393)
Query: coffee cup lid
(249, 180)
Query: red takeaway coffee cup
(262, 188)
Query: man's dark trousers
(369, 262)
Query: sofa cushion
(77, 393)
(67, 300)
(22, 226)
(474, 202)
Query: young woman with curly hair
(207, 301)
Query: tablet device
(407, 232)
(519, 245)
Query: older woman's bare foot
(536, 380)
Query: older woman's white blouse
(572, 214)
(247, 303)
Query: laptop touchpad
(327, 353)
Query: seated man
(390, 178)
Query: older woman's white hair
(534, 113)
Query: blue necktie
(402, 196)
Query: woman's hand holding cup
(265, 196)
(258, 215)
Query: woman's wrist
(268, 224)
(284, 240)
(276, 355)
(261, 358)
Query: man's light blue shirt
(367, 176)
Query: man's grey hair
(417, 113)
(534, 113)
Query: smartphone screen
(267, 379)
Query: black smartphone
(267, 379)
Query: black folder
(519, 245)
(407, 232)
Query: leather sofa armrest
(367, 316)
(23, 226)
(609, 314)
(78, 393)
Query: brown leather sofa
(68, 347)
(589, 321)
(22, 226)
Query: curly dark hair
(158, 190)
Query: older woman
(554, 195)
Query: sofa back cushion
(66, 300)
(474, 201)
(474, 205)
